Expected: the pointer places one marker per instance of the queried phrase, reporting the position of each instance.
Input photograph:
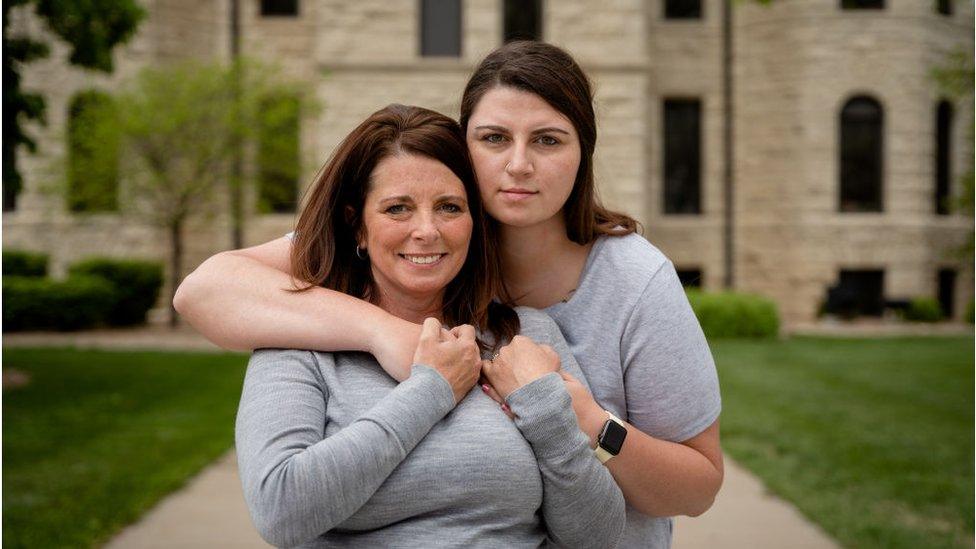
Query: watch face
(612, 437)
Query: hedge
(22, 263)
(729, 314)
(137, 285)
(924, 309)
(31, 303)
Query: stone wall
(796, 63)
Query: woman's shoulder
(297, 358)
(629, 259)
(535, 323)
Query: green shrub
(137, 285)
(21, 263)
(31, 303)
(924, 309)
(728, 314)
(970, 312)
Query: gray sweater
(333, 452)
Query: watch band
(602, 453)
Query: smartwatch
(611, 439)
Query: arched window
(93, 153)
(861, 165)
(943, 171)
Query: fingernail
(505, 407)
(484, 387)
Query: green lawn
(97, 438)
(872, 439)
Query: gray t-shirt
(333, 452)
(633, 332)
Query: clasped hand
(455, 355)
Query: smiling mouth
(426, 259)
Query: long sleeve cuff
(414, 406)
(545, 416)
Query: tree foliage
(91, 28)
(175, 131)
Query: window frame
(849, 162)
(666, 190)
(425, 48)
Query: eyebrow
(408, 198)
(534, 132)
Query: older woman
(332, 450)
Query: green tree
(178, 129)
(92, 28)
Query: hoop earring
(361, 253)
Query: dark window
(862, 4)
(93, 154)
(682, 9)
(943, 7)
(690, 278)
(523, 20)
(861, 131)
(279, 8)
(11, 187)
(943, 133)
(440, 28)
(857, 293)
(682, 156)
(947, 287)
(278, 156)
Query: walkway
(210, 510)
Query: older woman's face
(526, 155)
(416, 226)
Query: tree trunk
(176, 267)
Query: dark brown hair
(551, 73)
(324, 246)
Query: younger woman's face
(526, 155)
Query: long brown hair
(324, 249)
(551, 73)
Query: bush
(31, 303)
(924, 309)
(137, 285)
(970, 312)
(21, 263)
(728, 314)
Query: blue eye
(494, 138)
(396, 209)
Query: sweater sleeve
(671, 385)
(582, 504)
(299, 484)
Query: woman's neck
(409, 307)
(540, 264)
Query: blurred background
(806, 164)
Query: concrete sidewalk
(210, 512)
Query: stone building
(843, 146)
